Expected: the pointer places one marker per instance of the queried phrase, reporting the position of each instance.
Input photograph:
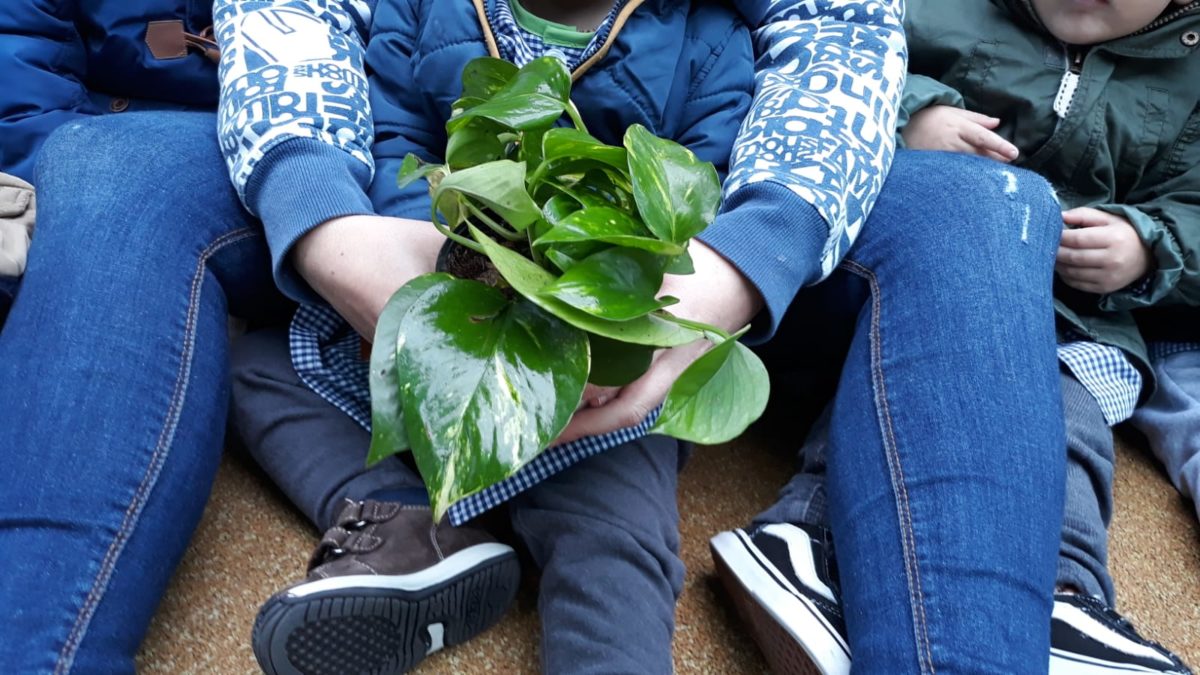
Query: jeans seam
(896, 471)
(158, 458)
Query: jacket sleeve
(719, 100)
(813, 153)
(42, 62)
(922, 92)
(294, 118)
(402, 122)
(1166, 216)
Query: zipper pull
(1077, 62)
(1070, 82)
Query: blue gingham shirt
(1107, 374)
(326, 350)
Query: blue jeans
(1171, 420)
(945, 465)
(115, 382)
(1083, 556)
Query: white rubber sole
(430, 576)
(792, 633)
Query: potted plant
(557, 247)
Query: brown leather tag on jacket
(166, 39)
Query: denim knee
(975, 214)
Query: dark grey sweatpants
(604, 532)
(1083, 553)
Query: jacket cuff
(1166, 267)
(298, 185)
(776, 239)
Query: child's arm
(402, 124)
(933, 116)
(718, 102)
(810, 159)
(42, 58)
(294, 120)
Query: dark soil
(464, 263)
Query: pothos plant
(557, 247)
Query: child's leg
(803, 499)
(1171, 420)
(605, 534)
(314, 452)
(385, 586)
(1083, 554)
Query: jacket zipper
(1070, 81)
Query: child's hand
(944, 127)
(1102, 254)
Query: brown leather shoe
(385, 588)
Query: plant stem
(537, 257)
(441, 227)
(576, 119)
(499, 229)
(699, 327)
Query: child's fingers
(997, 156)
(985, 141)
(1095, 237)
(1082, 257)
(1086, 217)
(985, 121)
(1088, 280)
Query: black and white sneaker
(783, 580)
(1089, 638)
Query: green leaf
(528, 279)
(558, 207)
(486, 384)
(616, 364)
(499, 185)
(565, 142)
(609, 225)
(485, 76)
(681, 264)
(677, 194)
(535, 97)
(560, 259)
(717, 397)
(529, 149)
(474, 144)
(618, 284)
(413, 168)
(387, 416)
(566, 151)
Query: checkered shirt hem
(1107, 375)
(520, 46)
(1161, 350)
(325, 354)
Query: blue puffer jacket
(62, 59)
(684, 70)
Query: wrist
(356, 263)
(717, 293)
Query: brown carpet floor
(251, 543)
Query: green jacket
(1128, 143)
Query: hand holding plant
(559, 247)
